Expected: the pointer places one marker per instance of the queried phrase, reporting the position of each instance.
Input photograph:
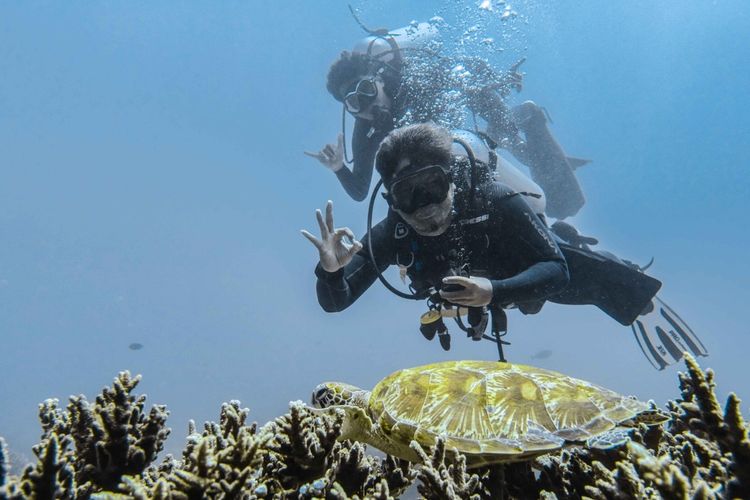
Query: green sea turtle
(491, 412)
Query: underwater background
(152, 188)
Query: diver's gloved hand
(332, 157)
(336, 246)
(476, 291)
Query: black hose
(412, 296)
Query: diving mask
(421, 187)
(363, 95)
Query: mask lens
(351, 101)
(362, 95)
(367, 88)
(421, 188)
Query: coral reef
(108, 450)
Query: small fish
(135, 346)
(543, 354)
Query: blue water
(152, 188)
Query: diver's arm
(340, 289)
(490, 107)
(548, 275)
(365, 142)
(486, 100)
(539, 281)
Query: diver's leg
(547, 162)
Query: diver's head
(414, 163)
(361, 83)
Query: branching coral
(89, 447)
(112, 437)
(107, 450)
(445, 481)
(4, 463)
(302, 444)
(701, 453)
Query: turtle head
(353, 401)
(330, 394)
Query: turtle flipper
(610, 439)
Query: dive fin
(663, 336)
(576, 163)
(651, 346)
(689, 338)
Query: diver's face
(432, 219)
(381, 100)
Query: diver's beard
(433, 219)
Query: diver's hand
(332, 157)
(514, 78)
(476, 291)
(335, 251)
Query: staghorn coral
(4, 463)
(221, 462)
(296, 455)
(53, 475)
(89, 447)
(445, 481)
(302, 446)
(107, 450)
(112, 437)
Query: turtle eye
(318, 397)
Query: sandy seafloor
(152, 186)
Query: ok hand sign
(336, 246)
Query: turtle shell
(493, 411)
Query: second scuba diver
(466, 240)
(388, 82)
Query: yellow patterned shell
(488, 408)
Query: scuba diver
(391, 79)
(465, 240)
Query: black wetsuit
(366, 138)
(497, 236)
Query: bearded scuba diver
(376, 84)
(468, 242)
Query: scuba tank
(502, 170)
(388, 45)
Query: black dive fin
(679, 327)
(577, 162)
(663, 336)
(652, 346)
